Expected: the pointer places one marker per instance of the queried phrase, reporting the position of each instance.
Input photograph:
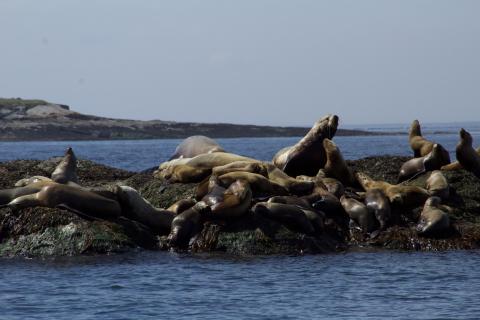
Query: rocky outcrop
(46, 232)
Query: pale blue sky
(263, 62)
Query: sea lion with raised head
(466, 155)
(307, 156)
(194, 146)
(433, 220)
(291, 216)
(336, 167)
(359, 213)
(437, 185)
(421, 146)
(76, 200)
(66, 170)
(416, 166)
(377, 202)
(456, 165)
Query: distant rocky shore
(33, 120)
(54, 232)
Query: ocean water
(164, 285)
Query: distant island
(29, 120)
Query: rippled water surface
(160, 285)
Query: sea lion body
(66, 170)
(307, 156)
(456, 165)
(434, 160)
(377, 202)
(335, 166)
(422, 147)
(433, 220)
(187, 224)
(181, 205)
(359, 213)
(437, 185)
(234, 201)
(26, 181)
(259, 185)
(194, 146)
(291, 216)
(468, 158)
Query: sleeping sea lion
(232, 202)
(259, 185)
(433, 220)
(195, 145)
(437, 185)
(416, 166)
(307, 156)
(26, 181)
(466, 155)
(359, 213)
(291, 216)
(66, 170)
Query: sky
(251, 61)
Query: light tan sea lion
(377, 202)
(26, 181)
(359, 213)
(194, 146)
(433, 221)
(466, 155)
(336, 167)
(137, 208)
(331, 184)
(66, 170)
(416, 166)
(246, 166)
(456, 165)
(437, 185)
(187, 224)
(198, 168)
(291, 216)
(229, 203)
(259, 185)
(77, 200)
(399, 195)
(421, 146)
(7, 195)
(293, 200)
(307, 156)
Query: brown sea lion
(181, 205)
(421, 146)
(246, 166)
(398, 195)
(336, 167)
(378, 203)
(466, 155)
(77, 200)
(456, 165)
(66, 170)
(232, 202)
(137, 208)
(194, 146)
(307, 156)
(259, 185)
(433, 220)
(437, 185)
(359, 213)
(187, 224)
(291, 216)
(416, 166)
(293, 200)
(198, 168)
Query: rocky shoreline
(54, 232)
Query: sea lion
(76, 200)
(291, 216)
(359, 213)
(245, 166)
(66, 170)
(456, 165)
(323, 200)
(466, 155)
(194, 146)
(421, 146)
(137, 208)
(331, 184)
(437, 185)
(293, 200)
(187, 224)
(433, 220)
(232, 202)
(7, 195)
(198, 168)
(377, 202)
(336, 167)
(398, 195)
(307, 156)
(260, 185)
(416, 166)
(26, 181)
(181, 205)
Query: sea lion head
(332, 125)
(433, 202)
(465, 136)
